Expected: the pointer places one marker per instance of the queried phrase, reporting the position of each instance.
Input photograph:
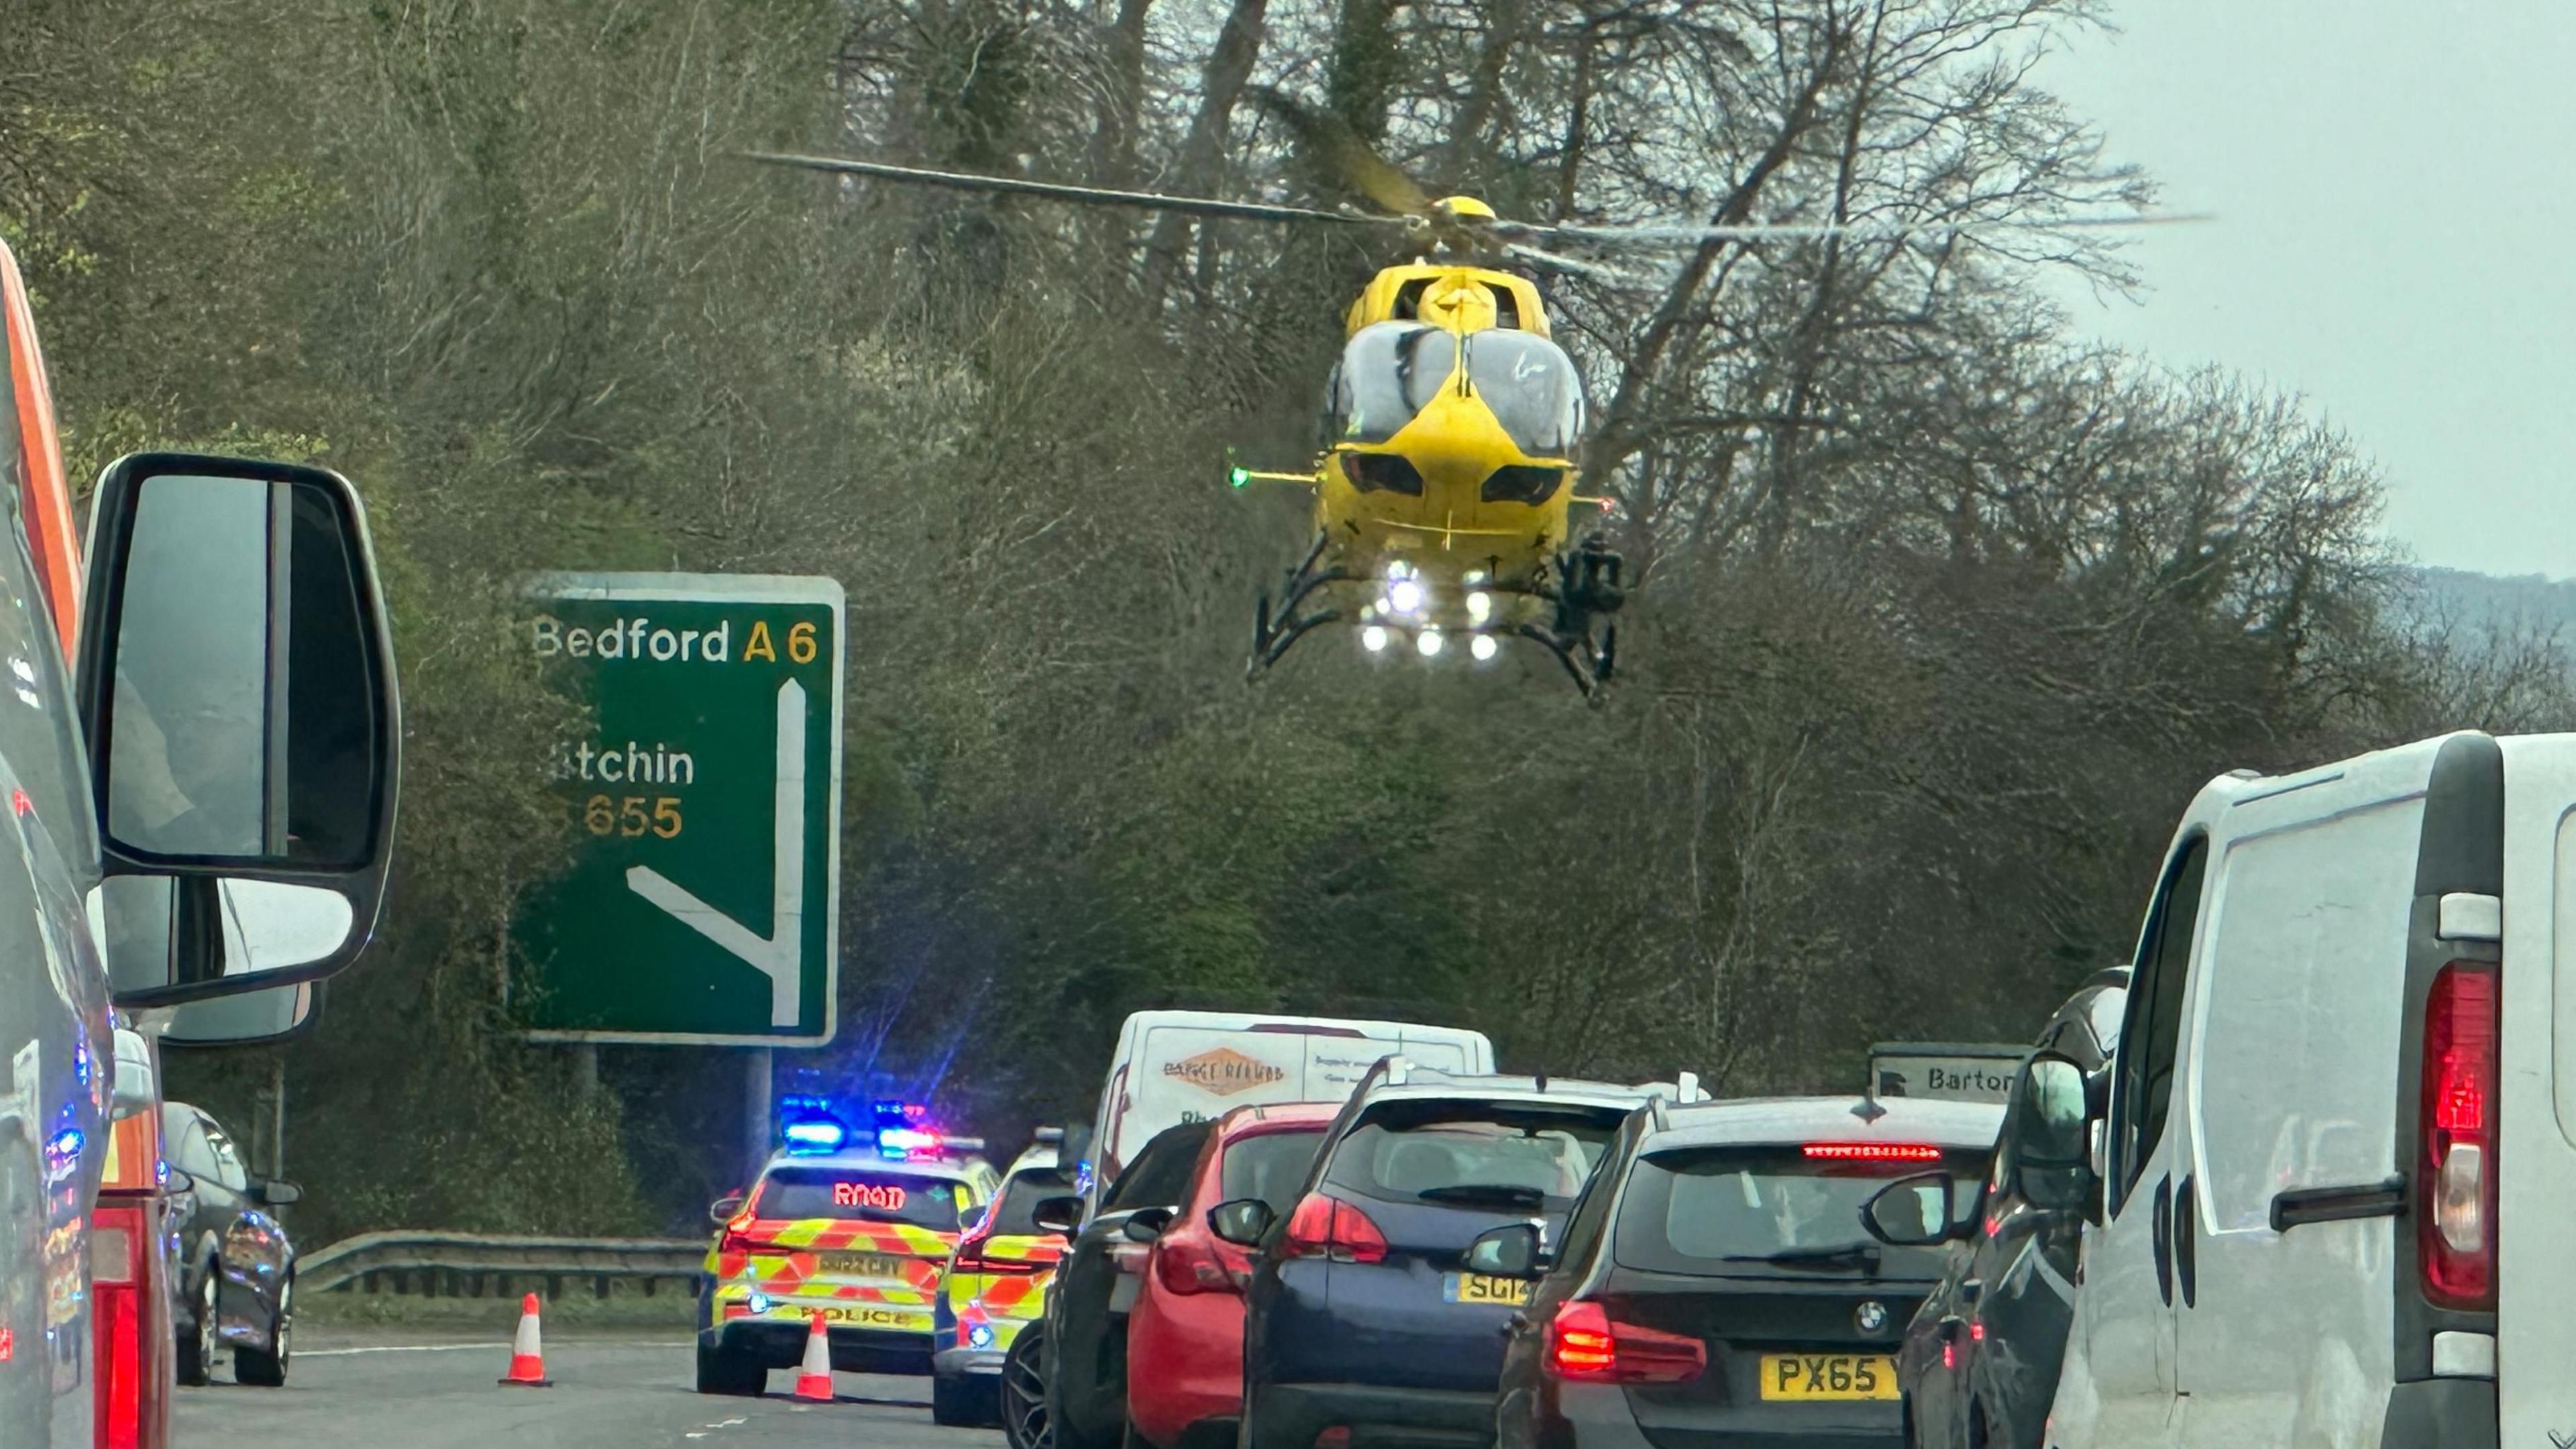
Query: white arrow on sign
(777, 956)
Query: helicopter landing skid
(1273, 634)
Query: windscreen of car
(1774, 1209)
(1515, 1157)
(1270, 1166)
(1021, 1196)
(857, 1194)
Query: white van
(2342, 1091)
(1187, 1066)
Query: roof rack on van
(1399, 1069)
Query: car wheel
(730, 1371)
(197, 1346)
(1024, 1411)
(267, 1369)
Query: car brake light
(1873, 1151)
(2456, 1233)
(1326, 1227)
(116, 1238)
(1585, 1346)
(1187, 1263)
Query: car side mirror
(1510, 1251)
(1243, 1222)
(1061, 1215)
(1911, 1212)
(237, 690)
(722, 1210)
(1146, 1224)
(179, 1181)
(280, 1194)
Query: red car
(1185, 1334)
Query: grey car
(234, 1273)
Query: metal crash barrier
(477, 1265)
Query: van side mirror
(237, 689)
(723, 1208)
(1243, 1222)
(1061, 1215)
(253, 1018)
(280, 1194)
(1911, 1212)
(1510, 1251)
(137, 1085)
(2052, 1133)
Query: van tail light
(1584, 1345)
(2456, 1231)
(1187, 1263)
(1327, 1227)
(118, 1241)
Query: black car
(1980, 1361)
(234, 1273)
(1362, 1319)
(1078, 1351)
(1722, 1282)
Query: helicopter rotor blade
(1685, 236)
(1065, 191)
(1347, 154)
(1557, 262)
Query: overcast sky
(2395, 236)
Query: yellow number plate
(1477, 1288)
(1828, 1376)
(861, 1265)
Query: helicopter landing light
(1404, 596)
(1373, 638)
(1483, 646)
(1480, 607)
(1428, 642)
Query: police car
(857, 1224)
(997, 1285)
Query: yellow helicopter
(1445, 511)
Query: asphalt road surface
(401, 1391)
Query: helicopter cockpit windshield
(1532, 388)
(1388, 373)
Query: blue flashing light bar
(816, 1136)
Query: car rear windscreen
(856, 1194)
(1774, 1209)
(1270, 1166)
(1512, 1157)
(1020, 1199)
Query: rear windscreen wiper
(1848, 1255)
(1486, 1194)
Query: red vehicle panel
(1185, 1334)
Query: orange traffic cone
(527, 1357)
(814, 1380)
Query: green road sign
(704, 901)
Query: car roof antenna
(1541, 1079)
(1867, 1108)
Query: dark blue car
(1362, 1324)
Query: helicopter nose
(1455, 442)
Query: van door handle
(2161, 1230)
(2186, 1248)
(2338, 1204)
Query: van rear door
(2293, 1029)
(2535, 1333)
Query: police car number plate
(1828, 1376)
(861, 1265)
(1478, 1288)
